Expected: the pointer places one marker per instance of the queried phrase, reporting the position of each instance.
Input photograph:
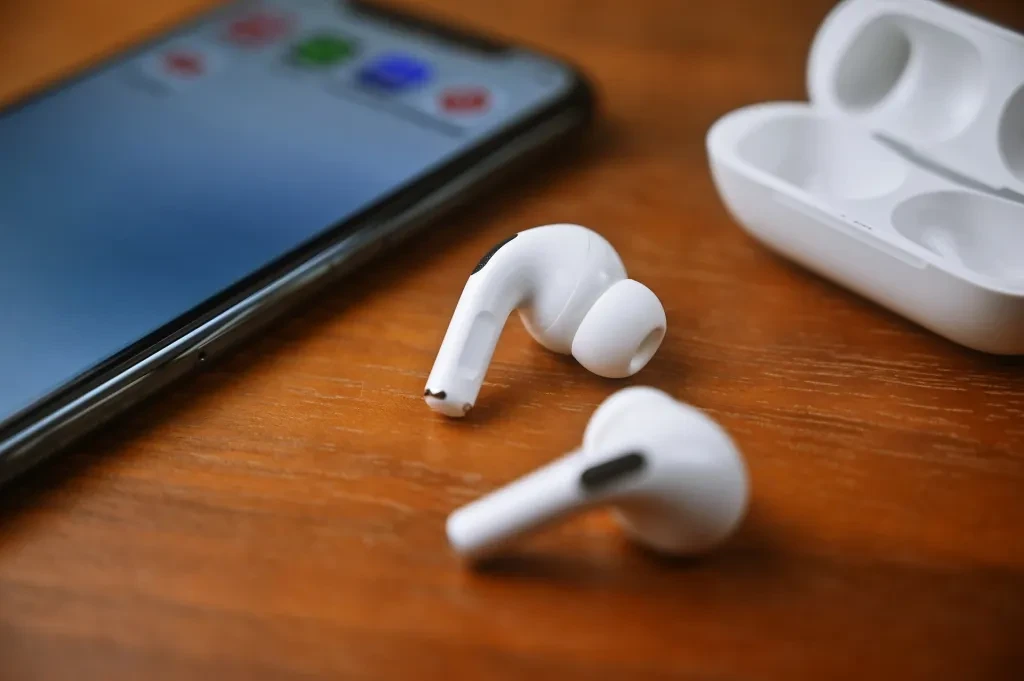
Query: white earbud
(571, 290)
(676, 480)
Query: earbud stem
(465, 353)
(543, 496)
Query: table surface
(281, 515)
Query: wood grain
(281, 515)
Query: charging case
(903, 178)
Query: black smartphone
(162, 206)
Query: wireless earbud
(571, 290)
(676, 480)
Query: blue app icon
(394, 72)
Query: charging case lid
(943, 84)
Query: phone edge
(43, 438)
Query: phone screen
(136, 192)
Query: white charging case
(903, 179)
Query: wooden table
(281, 516)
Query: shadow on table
(821, 605)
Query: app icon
(467, 101)
(258, 29)
(184, 63)
(180, 65)
(394, 73)
(323, 50)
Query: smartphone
(162, 206)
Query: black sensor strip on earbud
(611, 471)
(490, 254)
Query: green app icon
(323, 50)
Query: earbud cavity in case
(903, 178)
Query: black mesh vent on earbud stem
(611, 471)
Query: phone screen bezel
(577, 97)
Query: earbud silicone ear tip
(621, 332)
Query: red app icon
(259, 29)
(472, 100)
(184, 63)
(181, 65)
